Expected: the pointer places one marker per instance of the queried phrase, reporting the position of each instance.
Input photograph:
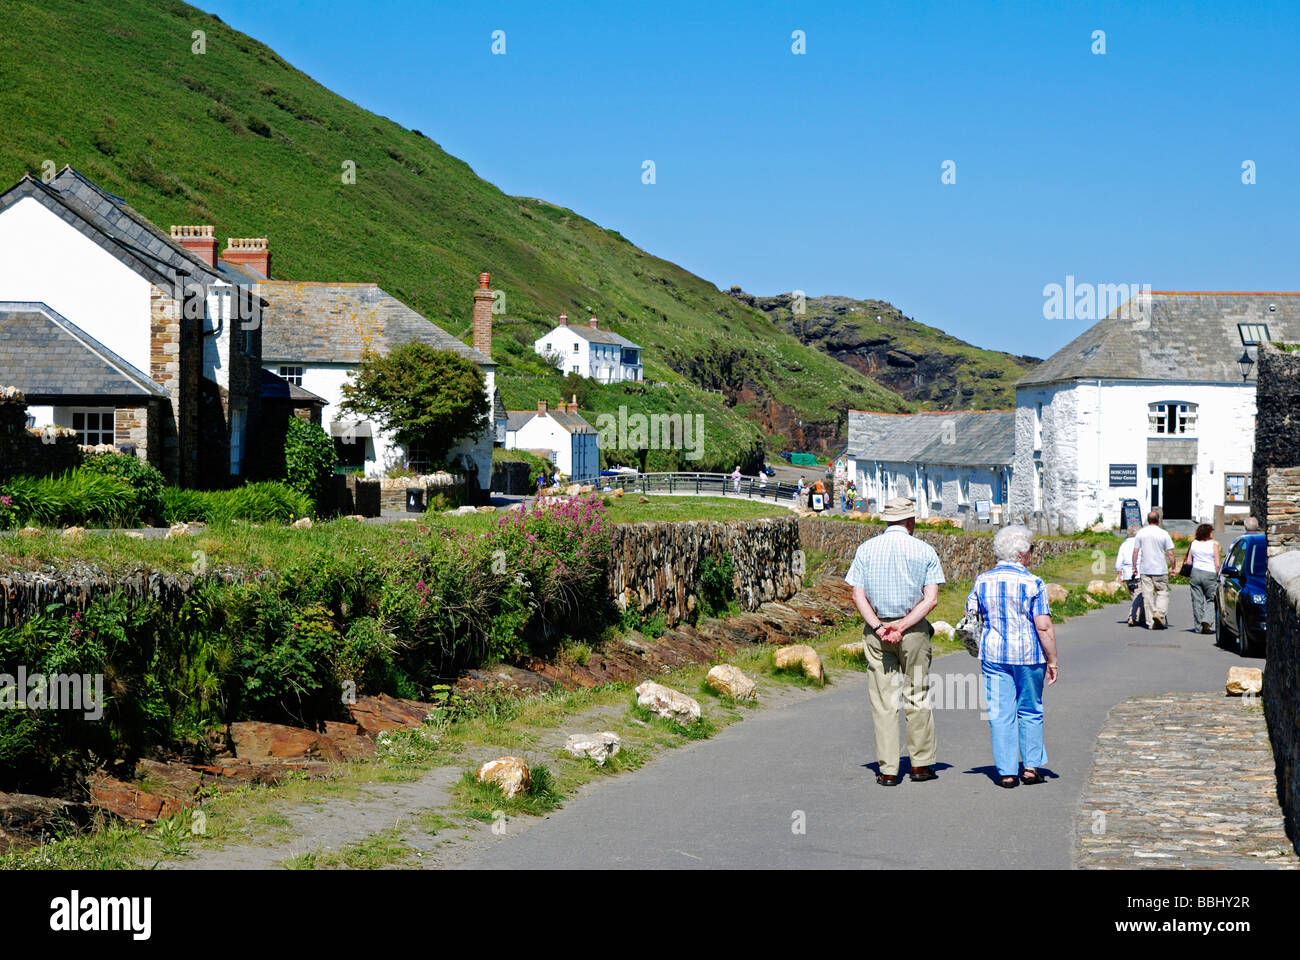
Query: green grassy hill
(238, 138)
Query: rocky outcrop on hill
(920, 363)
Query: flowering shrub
(8, 512)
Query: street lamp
(1245, 362)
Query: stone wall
(1283, 506)
(24, 595)
(1277, 431)
(655, 567)
(1282, 684)
(23, 453)
(963, 556)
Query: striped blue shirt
(1008, 597)
(893, 570)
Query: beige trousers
(899, 675)
(1155, 597)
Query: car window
(1258, 559)
(1235, 555)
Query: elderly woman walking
(1017, 651)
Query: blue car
(1239, 598)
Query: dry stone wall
(1282, 684)
(963, 556)
(655, 567)
(23, 453)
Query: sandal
(1030, 777)
(1008, 782)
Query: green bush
(717, 589)
(265, 502)
(145, 479)
(80, 497)
(309, 459)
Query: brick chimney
(254, 252)
(483, 316)
(573, 404)
(197, 240)
(592, 321)
(541, 408)
(564, 319)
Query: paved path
(732, 801)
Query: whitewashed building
(589, 351)
(954, 464)
(314, 336)
(561, 436)
(1151, 404)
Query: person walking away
(798, 491)
(1127, 575)
(735, 479)
(895, 579)
(1203, 555)
(1017, 653)
(1153, 555)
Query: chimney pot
(593, 321)
(541, 408)
(564, 319)
(483, 280)
(197, 240)
(250, 251)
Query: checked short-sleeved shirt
(893, 570)
(1008, 597)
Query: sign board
(1130, 513)
(1123, 475)
(982, 508)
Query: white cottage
(562, 435)
(952, 463)
(589, 351)
(1152, 403)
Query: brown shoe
(922, 774)
(887, 779)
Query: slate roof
(49, 357)
(337, 322)
(570, 422)
(1171, 335)
(597, 335)
(950, 438)
(276, 387)
(498, 408)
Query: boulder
(257, 740)
(31, 815)
(32, 532)
(268, 772)
(1056, 593)
(587, 488)
(618, 492)
(302, 523)
(598, 746)
(178, 530)
(802, 656)
(1099, 527)
(642, 499)
(857, 649)
(731, 682)
(510, 774)
(373, 715)
(129, 802)
(487, 509)
(460, 511)
(1104, 588)
(74, 533)
(1244, 681)
(349, 739)
(668, 703)
(943, 628)
(573, 489)
(355, 516)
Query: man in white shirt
(1153, 555)
(1127, 575)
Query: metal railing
(697, 484)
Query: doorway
(1176, 497)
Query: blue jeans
(1015, 703)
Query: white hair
(1011, 541)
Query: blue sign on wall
(1123, 475)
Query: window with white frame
(1038, 426)
(94, 425)
(292, 374)
(1171, 419)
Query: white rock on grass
(803, 656)
(74, 533)
(178, 530)
(855, 649)
(1056, 593)
(510, 774)
(32, 532)
(668, 703)
(732, 682)
(598, 746)
(943, 627)
(302, 523)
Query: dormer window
(1253, 334)
(1172, 419)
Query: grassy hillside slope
(238, 138)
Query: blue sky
(822, 171)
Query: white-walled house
(589, 351)
(567, 440)
(152, 347)
(315, 335)
(1149, 403)
(951, 463)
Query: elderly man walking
(1153, 555)
(895, 579)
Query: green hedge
(80, 497)
(265, 502)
